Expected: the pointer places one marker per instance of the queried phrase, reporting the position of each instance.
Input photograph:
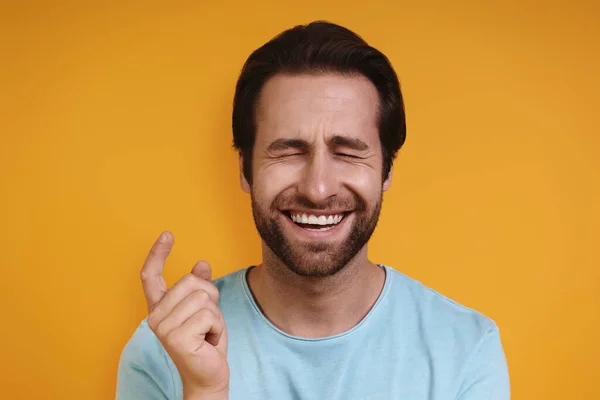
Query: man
(318, 118)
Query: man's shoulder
(436, 311)
(231, 289)
(464, 343)
(230, 279)
(144, 363)
(144, 348)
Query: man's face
(317, 167)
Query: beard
(315, 259)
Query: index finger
(152, 281)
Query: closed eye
(287, 155)
(348, 156)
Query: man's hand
(189, 324)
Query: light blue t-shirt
(414, 344)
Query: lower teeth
(326, 228)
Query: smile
(316, 222)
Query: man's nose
(319, 181)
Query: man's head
(318, 119)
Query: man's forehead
(301, 105)
(334, 91)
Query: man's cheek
(273, 184)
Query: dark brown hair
(319, 47)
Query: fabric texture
(413, 344)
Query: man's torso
(413, 344)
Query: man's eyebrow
(351, 143)
(335, 141)
(284, 144)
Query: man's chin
(315, 265)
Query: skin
(337, 167)
(323, 117)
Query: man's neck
(316, 307)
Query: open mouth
(316, 222)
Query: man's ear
(243, 181)
(388, 181)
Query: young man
(318, 118)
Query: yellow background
(115, 125)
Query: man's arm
(486, 376)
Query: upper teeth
(314, 220)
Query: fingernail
(164, 237)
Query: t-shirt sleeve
(486, 375)
(145, 370)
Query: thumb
(202, 270)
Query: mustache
(332, 203)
